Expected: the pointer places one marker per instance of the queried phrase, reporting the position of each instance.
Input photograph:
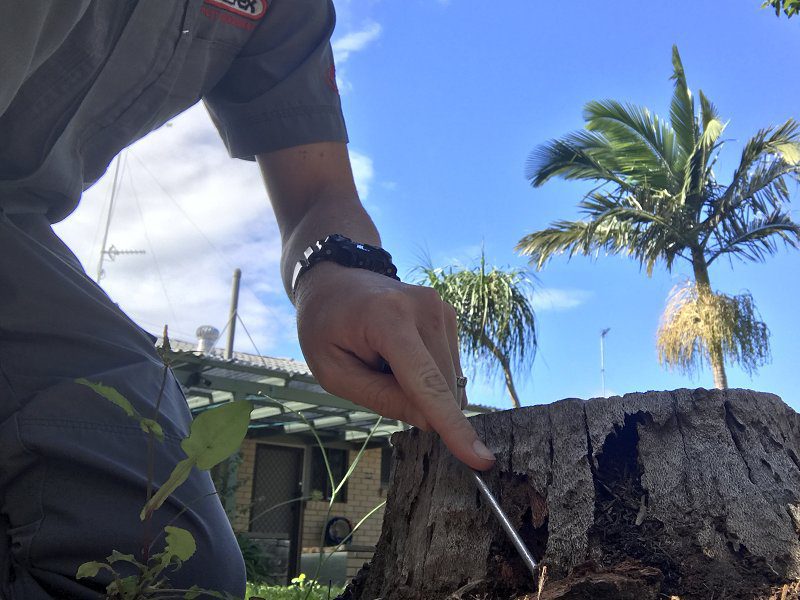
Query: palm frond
(494, 313)
(782, 142)
(758, 183)
(712, 125)
(646, 142)
(681, 108)
(610, 229)
(580, 155)
(757, 238)
(562, 237)
(641, 208)
(695, 321)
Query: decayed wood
(687, 493)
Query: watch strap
(344, 251)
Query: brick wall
(244, 491)
(363, 494)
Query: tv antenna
(112, 252)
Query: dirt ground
(631, 581)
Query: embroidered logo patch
(330, 78)
(250, 9)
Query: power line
(152, 251)
(214, 247)
(219, 252)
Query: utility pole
(603, 335)
(237, 277)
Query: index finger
(423, 382)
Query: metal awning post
(237, 278)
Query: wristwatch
(347, 253)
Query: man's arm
(349, 319)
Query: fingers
(348, 377)
(427, 389)
(451, 329)
(349, 320)
(436, 331)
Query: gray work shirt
(82, 79)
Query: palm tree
(789, 7)
(656, 198)
(496, 323)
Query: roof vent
(207, 336)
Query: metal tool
(527, 558)
(524, 553)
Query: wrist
(317, 280)
(343, 252)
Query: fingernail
(482, 451)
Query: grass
(297, 591)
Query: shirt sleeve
(280, 91)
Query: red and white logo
(250, 9)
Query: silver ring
(461, 382)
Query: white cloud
(198, 214)
(346, 45)
(211, 216)
(558, 299)
(355, 41)
(363, 172)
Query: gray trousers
(74, 467)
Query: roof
(289, 366)
(289, 401)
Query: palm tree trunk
(715, 347)
(501, 358)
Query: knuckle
(325, 378)
(429, 296)
(450, 313)
(435, 382)
(393, 302)
(377, 394)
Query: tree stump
(694, 494)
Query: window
(320, 483)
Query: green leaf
(91, 569)
(151, 426)
(111, 395)
(790, 152)
(126, 588)
(116, 556)
(217, 433)
(180, 543)
(179, 474)
(214, 435)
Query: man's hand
(350, 319)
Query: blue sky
(451, 97)
(444, 101)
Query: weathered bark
(687, 493)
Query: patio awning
(288, 399)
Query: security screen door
(277, 478)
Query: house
(277, 491)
